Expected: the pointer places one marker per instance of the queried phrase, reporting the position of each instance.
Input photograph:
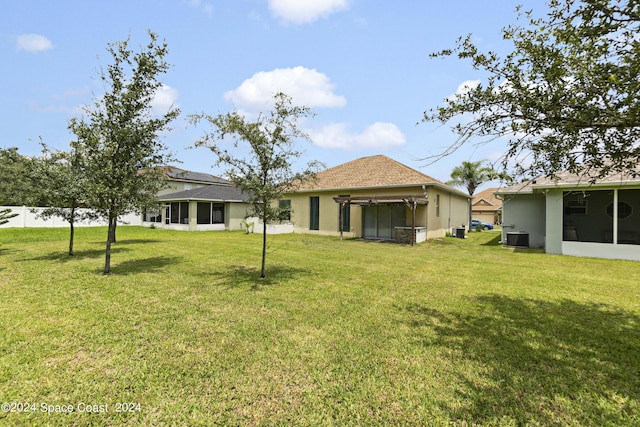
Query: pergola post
(340, 220)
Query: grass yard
(450, 332)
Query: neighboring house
(180, 180)
(376, 198)
(573, 216)
(486, 207)
(195, 201)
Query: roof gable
(488, 197)
(368, 172)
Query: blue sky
(363, 66)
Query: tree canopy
(60, 176)
(565, 98)
(17, 183)
(119, 141)
(471, 175)
(267, 172)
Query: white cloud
(305, 86)
(379, 135)
(205, 7)
(464, 88)
(33, 43)
(164, 98)
(306, 11)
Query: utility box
(518, 239)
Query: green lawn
(450, 332)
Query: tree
(119, 143)
(60, 175)
(471, 175)
(17, 187)
(267, 172)
(566, 97)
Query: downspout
(449, 214)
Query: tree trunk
(263, 273)
(107, 258)
(112, 231)
(71, 232)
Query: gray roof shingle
(178, 174)
(571, 180)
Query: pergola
(411, 202)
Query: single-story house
(195, 201)
(376, 198)
(574, 216)
(486, 207)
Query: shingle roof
(369, 172)
(571, 180)
(488, 196)
(213, 192)
(178, 174)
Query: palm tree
(473, 174)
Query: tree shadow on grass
(237, 276)
(6, 251)
(136, 241)
(145, 265)
(77, 255)
(541, 363)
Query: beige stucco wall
(175, 186)
(235, 213)
(453, 210)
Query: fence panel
(27, 219)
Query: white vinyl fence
(27, 218)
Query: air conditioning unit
(519, 239)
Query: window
(380, 220)
(285, 210)
(210, 213)
(175, 213)
(179, 213)
(184, 212)
(152, 215)
(437, 205)
(585, 216)
(624, 210)
(314, 213)
(204, 213)
(628, 219)
(217, 213)
(576, 204)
